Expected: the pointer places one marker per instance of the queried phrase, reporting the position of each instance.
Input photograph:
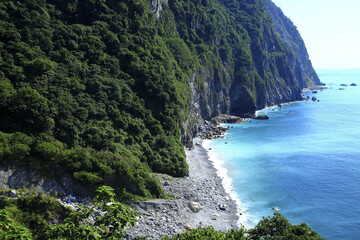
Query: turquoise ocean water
(305, 160)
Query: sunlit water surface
(304, 160)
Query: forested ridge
(87, 86)
(104, 90)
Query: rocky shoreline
(198, 200)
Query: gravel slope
(202, 191)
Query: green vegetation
(30, 215)
(269, 228)
(10, 230)
(80, 87)
(40, 216)
(101, 88)
(106, 226)
(210, 233)
(278, 227)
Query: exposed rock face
(19, 175)
(227, 119)
(289, 34)
(156, 6)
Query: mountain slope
(109, 90)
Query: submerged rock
(353, 85)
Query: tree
(278, 227)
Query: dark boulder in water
(343, 85)
(314, 99)
(261, 117)
(314, 91)
(353, 85)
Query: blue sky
(330, 29)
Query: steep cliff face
(276, 69)
(286, 30)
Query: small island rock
(261, 117)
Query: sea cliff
(276, 70)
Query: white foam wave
(222, 172)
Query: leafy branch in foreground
(9, 229)
(86, 223)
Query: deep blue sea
(304, 160)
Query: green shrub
(87, 177)
(278, 227)
(10, 230)
(210, 233)
(34, 211)
(110, 225)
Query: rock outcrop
(18, 175)
(157, 6)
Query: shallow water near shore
(304, 160)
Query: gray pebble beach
(197, 200)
